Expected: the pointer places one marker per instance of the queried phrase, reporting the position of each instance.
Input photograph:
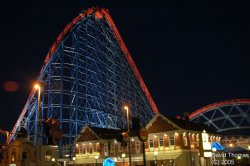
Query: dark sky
(190, 54)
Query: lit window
(137, 145)
(161, 142)
(112, 148)
(80, 149)
(151, 143)
(87, 149)
(171, 140)
(185, 142)
(197, 139)
(13, 155)
(47, 155)
(94, 147)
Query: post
(128, 122)
(74, 158)
(156, 153)
(123, 156)
(38, 134)
(96, 158)
(143, 151)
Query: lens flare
(10, 86)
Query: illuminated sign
(207, 154)
(217, 146)
(109, 162)
(205, 143)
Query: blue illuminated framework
(87, 77)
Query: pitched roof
(161, 123)
(93, 133)
(104, 133)
(185, 124)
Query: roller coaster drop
(87, 76)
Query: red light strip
(98, 15)
(218, 104)
(130, 60)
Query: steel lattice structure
(88, 75)
(224, 116)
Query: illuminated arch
(224, 116)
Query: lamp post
(123, 156)
(53, 160)
(155, 154)
(74, 158)
(96, 158)
(126, 108)
(38, 131)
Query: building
(22, 152)
(170, 142)
(236, 140)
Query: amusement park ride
(226, 116)
(87, 76)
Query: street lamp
(96, 158)
(155, 154)
(74, 158)
(123, 156)
(126, 108)
(53, 160)
(38, 131)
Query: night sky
(189, 54)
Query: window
(185, 142)
(161, 142)
(171, 140)
(87, 149)
(94, 147)
(24, 155)
(138, 145)
(197, 139)
(13, 155)
(47, 155)
(112, 148)
(80, 149)
(151, 143)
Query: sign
(143, 134)
(205, 141)
(205, 150)
(217, 146)
(207, 154)
(109, 162)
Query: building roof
(186, 124)
(93, 133)
(161, 123)
(158, 123)
(104, 133)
